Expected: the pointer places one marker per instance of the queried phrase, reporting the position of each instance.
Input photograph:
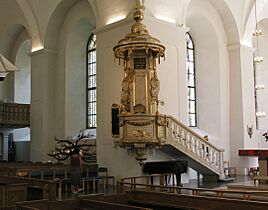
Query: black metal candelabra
(64, 148)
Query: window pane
(192, 120)
(190, 67)
(190, 55)
(192, 107)
(191, 94)
(92, 78)
(191, 81)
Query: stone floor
(239, 179)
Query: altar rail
(160, 185)
(14, 115)
(195, 146)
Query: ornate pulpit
(140, 124)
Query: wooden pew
(259, 178)
(48, 188)
(191, 202)
(10, 193)
(75, 204)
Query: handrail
(131, 183)
(195, 146)
(192, 132)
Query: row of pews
(25, 181)
(143, 200)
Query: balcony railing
(13, 115)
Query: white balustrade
(195, 146)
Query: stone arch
(14, 36)
(249, 22)
(58, 18)
(67, 33)
(228, 20)
(32, 24)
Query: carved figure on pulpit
(155, 87)
(126, 89)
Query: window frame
(189, 74)
(91, 116)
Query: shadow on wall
(23, 151)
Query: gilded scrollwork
(127, 84)
(155, 87)
(140, 133)
(161, 121)
(141, 123)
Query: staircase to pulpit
(202, 156)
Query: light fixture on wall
(5, 67)
(257, 58)
(260, 114)
(259, 87)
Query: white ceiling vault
(35, 15)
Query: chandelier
(64, 148)
(257, 59)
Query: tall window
(91, 83)
(190, 66)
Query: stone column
(43, 63)
(242, 108)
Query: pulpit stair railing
(196, 147)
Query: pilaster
(43, 63)
(242, 111)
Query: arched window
(191, 86)
(91, 83)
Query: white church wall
(212, 72)
(79, 29)
(70, 72)
(261, 79)
(22, 84)
(76, 79)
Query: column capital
(42, 51)
(236, 46)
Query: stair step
(227, 179)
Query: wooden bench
(46, 187)
(11, 192)
(79, 204)
(193, 202)
(259, 178)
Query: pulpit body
(140, 86)
(140, 124)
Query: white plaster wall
(71, 70)
(261, 79)
(23, 76)
(76, 77)
(248, 102)
(212, 72)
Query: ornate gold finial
(138, 15)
